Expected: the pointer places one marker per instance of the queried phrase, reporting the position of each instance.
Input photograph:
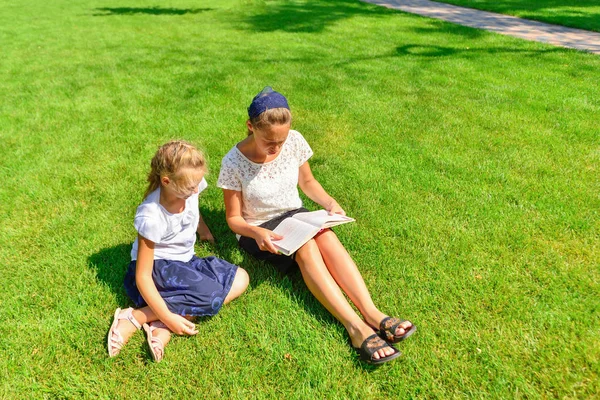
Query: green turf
(470, 161)
(582, 14)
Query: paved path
(504, 24)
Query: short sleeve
(303, 150)
(203, 185)
(148, 228)
(228, 177)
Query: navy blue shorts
(282, 262)
(194, 288)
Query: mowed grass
(470, 161)
(582, 14)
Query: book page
(322, 219)
(295, 233)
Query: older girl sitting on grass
(259, 177)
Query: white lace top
(268, 189)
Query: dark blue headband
(266, 100)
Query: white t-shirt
(174, 235)
(268, 189)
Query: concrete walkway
(499, 23)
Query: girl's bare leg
(240, 283)
(142, 315)
(322, 285)
(146, 315)
(348, 277)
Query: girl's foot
(157, 335)
(123, 327)
(360, 333)
(393, 330)
(371, 346)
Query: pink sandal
(157, 347)
(115, 340)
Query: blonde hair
(272, 116)
(170, 159)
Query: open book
(301, 227)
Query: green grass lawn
(470, 161)
(582, 14)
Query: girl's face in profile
(184, 184)
(270, 139)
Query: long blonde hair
(272, 116)
(171, 158)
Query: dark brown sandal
(370, 346)
(388, 326)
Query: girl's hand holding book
(334, 208)
(263, 239)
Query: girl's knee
(327, 237)
(307, 250)
(324, 232)
(239, 285)
(309, 255)
(241, 280)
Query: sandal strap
(127, 314)
(157, 346)
(116, 340)
(388, 326)
(371, 345)
(156, 342)
(158, 324)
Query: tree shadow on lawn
(106, 11)
(312, 16)
(437, 27)
(426, 50)
(416, 50)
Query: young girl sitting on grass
(259, 177)
(167, 282)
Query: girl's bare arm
(313, 189)
(147, 288)
(233, 214)
(204, 232)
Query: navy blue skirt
(194, 288)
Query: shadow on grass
(420, 50)
(261, 272)
(416, 51)
(106, 11)
(111, 263)
(314, 16)
(440, 27)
